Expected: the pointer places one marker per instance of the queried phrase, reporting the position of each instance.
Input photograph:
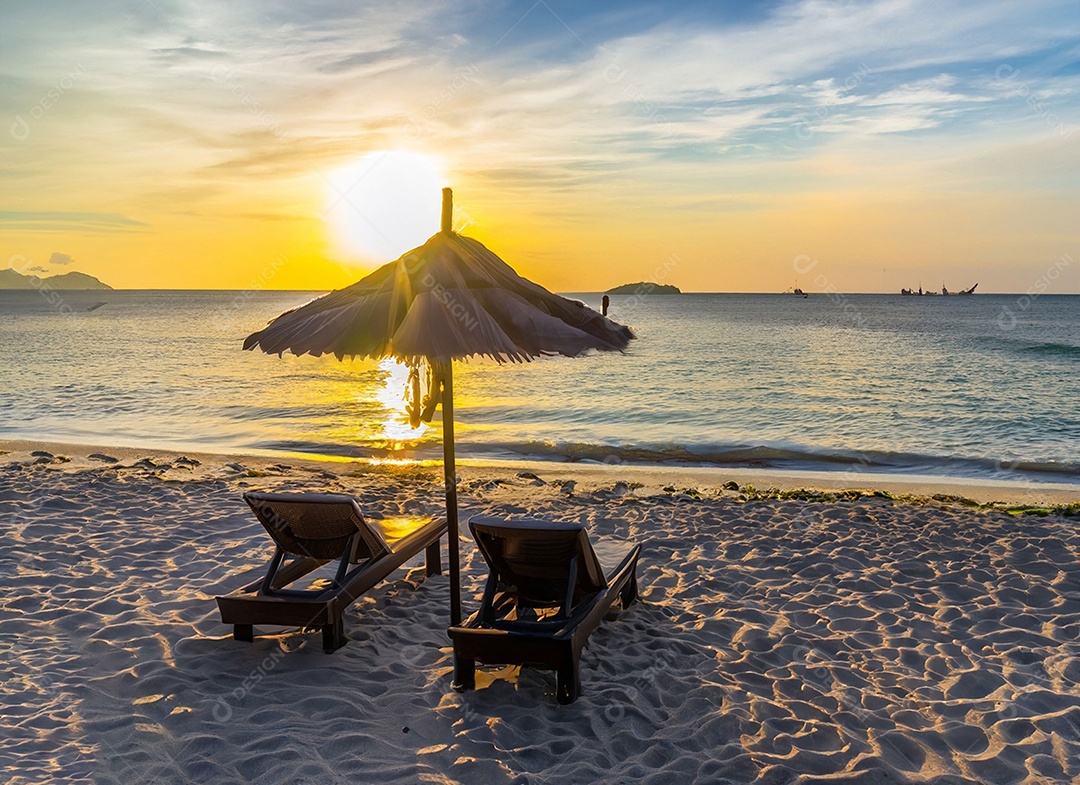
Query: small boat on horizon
(944, 292)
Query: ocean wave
(1024, 346)
(383, 450)
(734, 456)
(1054, 349)
(794, 457)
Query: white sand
(776, 641)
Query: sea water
(979, 386)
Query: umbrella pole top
(447, 211)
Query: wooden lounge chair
(547, 590)
(314, 529)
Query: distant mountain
(644, 287)
(9, 279)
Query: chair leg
(629, 593)
(432, 560)
(243, 632)
(333, 635)
(464, 674)
(568, 681)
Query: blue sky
(934, 139)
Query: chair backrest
(539, 559)
(319, 525)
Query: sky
(721, 146)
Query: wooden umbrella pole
(447, 211)
(450, 477)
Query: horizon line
(567, 292)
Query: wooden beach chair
(547, 590)
(311, 530)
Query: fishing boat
(945, 292)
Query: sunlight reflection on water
(393, 396)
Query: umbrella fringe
(480, 307)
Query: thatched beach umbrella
(447, 300)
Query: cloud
(37, 268)
(189, 107)
(341, 82)
(60, 259)
(31, 221)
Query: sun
(384, 204)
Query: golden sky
(717, 147)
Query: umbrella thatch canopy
(449, 299)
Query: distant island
(10, 279)
(644, 287)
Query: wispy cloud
(291, 89)
(189, 108)
(27, 221)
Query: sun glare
(384, 204)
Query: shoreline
(651, 478)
